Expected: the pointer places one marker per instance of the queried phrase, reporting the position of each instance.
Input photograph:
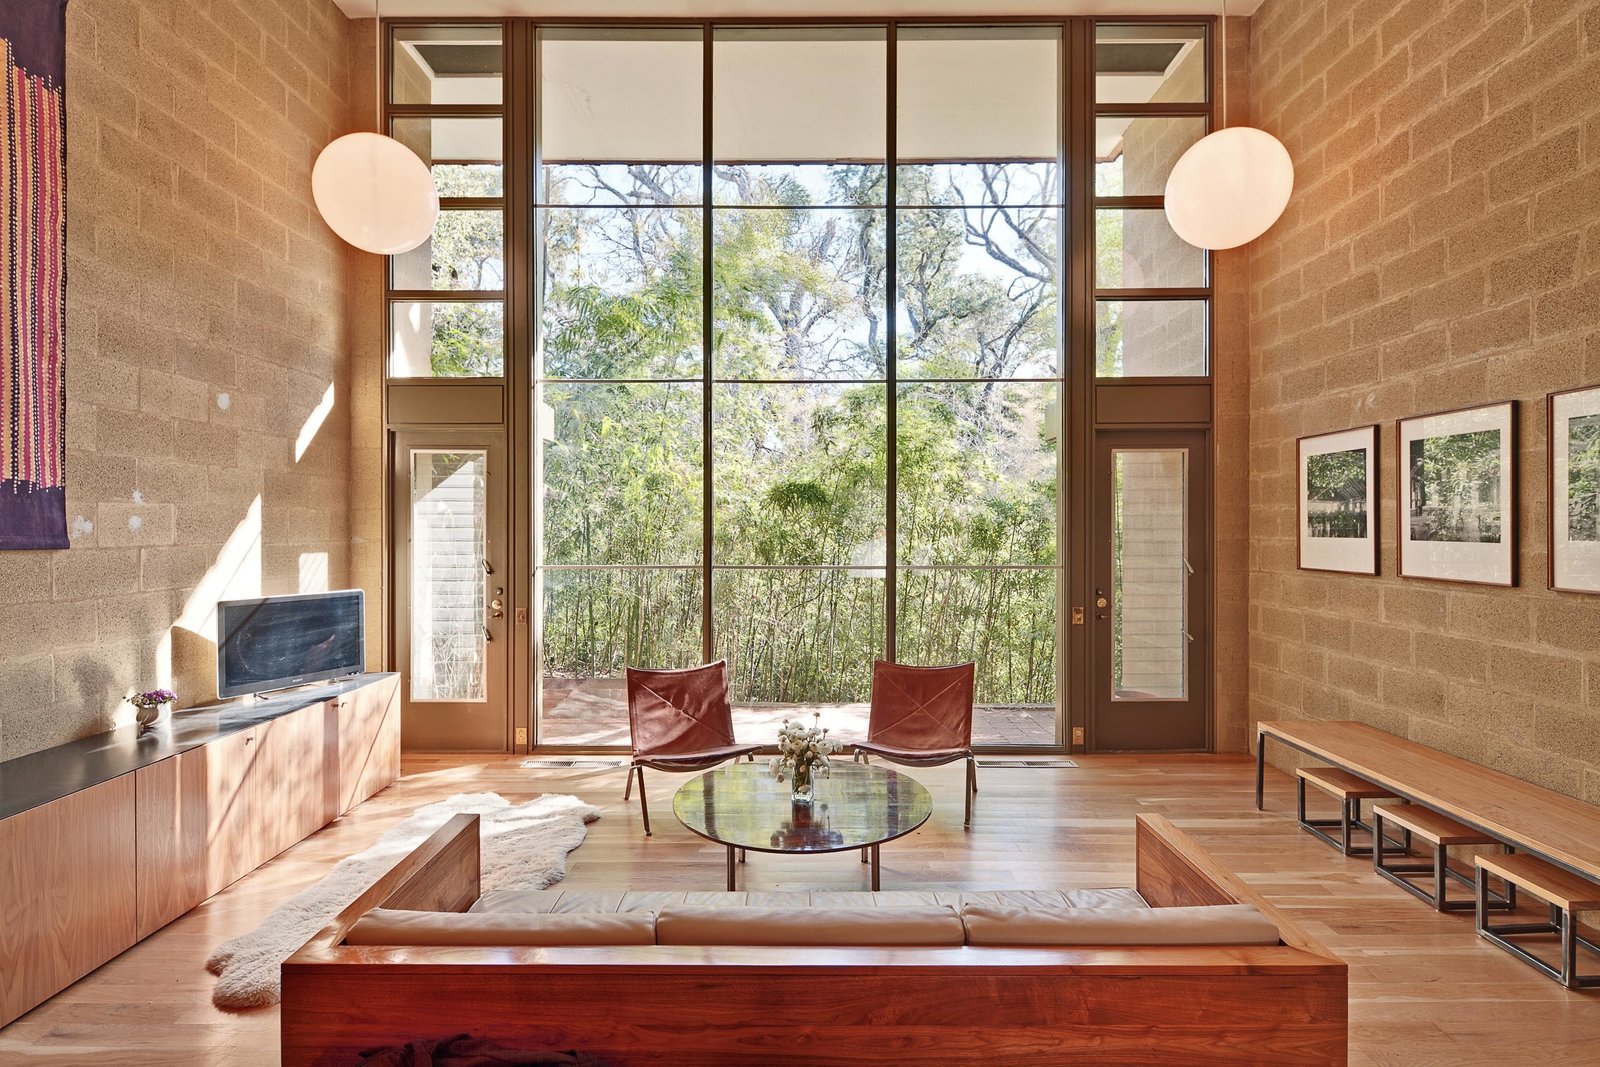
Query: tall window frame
(1075, 380)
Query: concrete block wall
(214, 351)
(1442, 249)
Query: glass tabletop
(741, 805)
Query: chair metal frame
(865, 750)
(687, 762)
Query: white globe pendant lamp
(373, 191)
(1230, 186)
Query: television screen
(280, 641)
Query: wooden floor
(1424, 990)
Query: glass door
(1148, 604)
(451, 593)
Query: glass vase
(802, 791)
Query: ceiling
(645, 9)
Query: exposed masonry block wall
(209, 314)
(1442, 249)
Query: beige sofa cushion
(383, 926)
(693, 924)
(585, 901)
(1224, 924)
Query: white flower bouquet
(803, 751)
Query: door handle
(497, 608)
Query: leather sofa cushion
(693, 924)
(585, 901)
(1222, 924)
(383, 926)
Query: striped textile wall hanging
(33, 230)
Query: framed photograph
(1574, 466)
(1339, 501)
(1458, 495)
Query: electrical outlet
(522, 735)
(522, 616)
(1077, 735)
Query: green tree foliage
(1336, 487)
(1583, 478)
(1455, 487)
(467, 251)
(800, 425)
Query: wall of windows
(754, 453)
(807, 376)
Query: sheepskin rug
(524, 846)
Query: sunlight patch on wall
(186, 656)
(313, 572)
(313, 423)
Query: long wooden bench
(1560, 829)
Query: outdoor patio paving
(595, 712)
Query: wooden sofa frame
(695, 1006)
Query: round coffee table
(741, 806)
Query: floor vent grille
(565, 764)
(1026, 763)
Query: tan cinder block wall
(1442, 249)
(210, 312)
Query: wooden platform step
(1341, 783)
(1430, 826)
(1544, 880)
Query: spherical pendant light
(375, 193)
(1229, 188)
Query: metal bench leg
(1261, 769)
(1569, 952)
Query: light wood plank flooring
(1424, 990)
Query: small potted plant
(803, 751)
(148, 705)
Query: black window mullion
(891, 294)
(707, 325)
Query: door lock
(1100, 602)
(497, 605)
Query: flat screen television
(279, 641)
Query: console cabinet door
(232, 826)
(171, 826)
(369, 741)
(288, 781)
(66, 892)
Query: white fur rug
(523, 847)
